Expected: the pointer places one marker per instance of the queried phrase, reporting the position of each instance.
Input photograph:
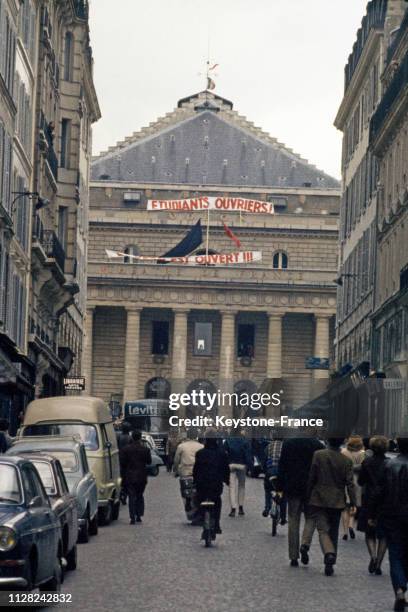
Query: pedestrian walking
(331, 474)
(239, 456)
(354, 450)
(134, 457)
(389, 504)
(124, 436)
(272, 457)
(293, 474)
(210, 472)
(371, 473)
(5, 439)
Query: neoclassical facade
(148, 323)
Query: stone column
(273, 383)
(132, 350)
(179, 354)
(322, 349)
(227, 357)
(87, 351)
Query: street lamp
(41, 202)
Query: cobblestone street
(162, 565)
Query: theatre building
(239, 323)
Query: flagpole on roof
(207, 236)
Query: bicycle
(208, 534)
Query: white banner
(211, 203)
(218, 259)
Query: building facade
(52, 104)
(358, 225)
(389, 143)
(260, 321)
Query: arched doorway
(157, 388)
(206, 387)
(244, 389)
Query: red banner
(212, 203)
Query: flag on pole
(189, 243)
(231, 235)
(210, 84)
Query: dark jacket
(391, 495)
(294, 465)
(133, 460)
(210, 471)
(331, 474)
(124, 439)
(369, 477)
(239, 451)
(3, 443)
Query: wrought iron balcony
(397, 85)
(47, 144)
(53, 248)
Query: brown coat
(330, 475)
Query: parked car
(30, 532)
(89, 419)
(62, 501)
(153, 468)
(81, 481)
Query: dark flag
(189, 243)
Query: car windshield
(86, 433)
(45, 471)
(68, 460)
(10, 492)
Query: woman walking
(354, 451)
(371, 473)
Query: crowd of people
(337, 485)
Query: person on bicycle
(211, 471)
(183, 465)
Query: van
(87, 419)
(152, 417)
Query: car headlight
(8, 539)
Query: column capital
(232, 313)
(276, 315)
(135, 309)
(181, 311)
(323, 315)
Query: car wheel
(154, 471)
(72, 559)
(105, 515)
(93, 525)
(83, 536)
(54, 584)
(115, 511)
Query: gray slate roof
(207, 144)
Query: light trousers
(237, 484)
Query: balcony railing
(53, 248)
(398, 83)
(212, 275)
(51, 156)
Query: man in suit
(134, 457)
(330, 475)
(293, 473)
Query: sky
(281, 63)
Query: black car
(30, 532)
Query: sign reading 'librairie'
(212, 203)
(76, 383)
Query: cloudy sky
(281, 64)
